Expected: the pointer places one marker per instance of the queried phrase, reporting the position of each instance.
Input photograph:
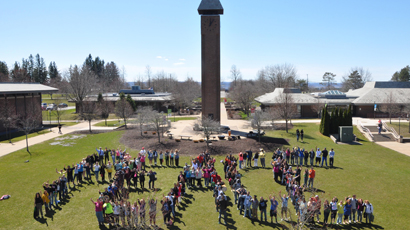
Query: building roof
(210, 7)
(15, 88)
(299, 98)
(379, 92)
(157, 97)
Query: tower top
(210, 7)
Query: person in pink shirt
(99, 211)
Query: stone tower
(211, 61)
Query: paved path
(7, 148)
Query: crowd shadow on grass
(42, 221)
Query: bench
(187, 137)
(170, 135)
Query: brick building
(19, 96)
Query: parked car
(43, 106)
(254, 133)
(51, 106)
(62, 105)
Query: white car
(51, 106)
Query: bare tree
(236, 75)
(123, 110)
(157, 120)
(8, 116)
(277, 76)
(285, 106)
(244, 94)
(143, 113)
(184, 93)
(58, 112)
(318, 106)
(89, 111)
(149, 73)
(31, 120)
(390, 105)
(257, 121)
(207, 126)
(81, 83)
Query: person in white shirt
(368, 211)
(331, 157)
(318, 155)
(143, 152)
(96, 170)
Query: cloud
(182, 59)
(179, 63)
(159, 57)
(166, 59)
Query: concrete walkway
(7, 148)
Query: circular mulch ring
(133, 139)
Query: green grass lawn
(66, 115)
(175, 119)
(110, 123)
(404, 127)
(369, 171)
(18, 136)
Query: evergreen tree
(326, 123)
(40, 70)
(322, 121)
(122, 96)
(100, 98)
(349, 116)
(333, 121)
(132, 102)
(53, 71)
(4, 72)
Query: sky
(314, 36)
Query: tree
(132, 102)
(302, 84)
(157, 119)
(184, 93)
(328, 80)
(19, 74)
(235, 75)
(403, 75)
(207, 126)
(149, 73)
(257, 121)
(105, 108)
(81, 83)
(244, 94)
(326, 122)
(389, 105)
(89, 110)
(356, 79)
(123, 110)
(4, 72)
(30, 120)
(58, 113)
(285, 106)
(277, 76)
(40, 70)
(8, 116)
(318, 107)
(143, 116)
(54, 76)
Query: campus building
(366, 102)
(141, 97)
(18, 96)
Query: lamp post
(174, 112)
(374, 110)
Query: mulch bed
(133, 139)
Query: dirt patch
(134, 140)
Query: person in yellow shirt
(340, 212)
(262, 157)
(46, 201)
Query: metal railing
(390, 129)
(366, 130)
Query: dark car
(62, 105)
